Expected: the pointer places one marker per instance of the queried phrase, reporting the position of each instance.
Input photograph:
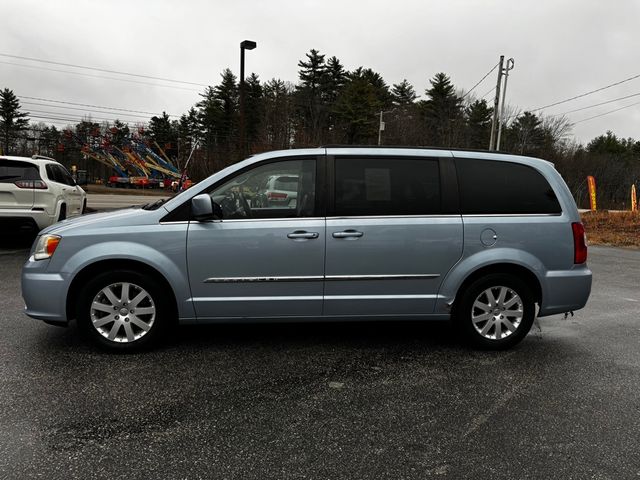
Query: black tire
(164, 310)
(464, 312)
(63, 213)
(84, 206)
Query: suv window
(251, 194)
(67, 179)
(498, 187)
(12, 171)
(387, 186)
(59, 174)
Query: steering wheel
(244, 204)
(235, 205)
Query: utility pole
(380, 129)
(496, 104)
(501, 121)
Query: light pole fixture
(244, 45)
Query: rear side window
(53, 174)
(12, 171)
(387, 186)
(59, 174)
(496, 187)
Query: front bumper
(44, 293)
(565, 290)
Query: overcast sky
(561, 48)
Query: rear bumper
(44, 294)
(26, 216)
(565, 291)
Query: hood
(129, 216)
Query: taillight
(276, 196)
(579, 243)
(39, 184)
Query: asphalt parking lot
(326, 401)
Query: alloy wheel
(123, 312)
(497, 312)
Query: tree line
(332, 105)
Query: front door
(265, 258)
(390, 240)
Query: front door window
(283, 189)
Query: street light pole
(244, 45)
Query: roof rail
(419, 147)
(42, 157)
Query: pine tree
(356, 111)
(254, 108)
(12, 120)
(478, 116)
(278, 113)
(403, 94)
(526, 134)
(163, 131)
(442, 111)
(309, 98)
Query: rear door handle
(301, 234)
(347, 234)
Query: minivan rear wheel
(495, 312)
(123, 310)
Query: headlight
(45, 247)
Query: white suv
(37, 191)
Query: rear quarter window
(499, 187)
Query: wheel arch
(100, 266)
(514, 269)
(503, 260)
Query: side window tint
(387, 186)
(65, 176)
(52, 173)
(274, 190)
(497, 187)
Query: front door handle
(301, 234)
(347, 234)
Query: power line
(606, 113)
(102, 70)
(90, 105)
(595, 105)
(78, 119)
(487, 94)
(84, 116)
(481, 80)
(585, 94)
(98, 76)
(78, 109)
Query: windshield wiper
(155, 205)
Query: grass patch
(619, 229)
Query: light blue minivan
(486, 239)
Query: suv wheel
(63, 212)
(84, 207)
(495, 312)
(123, 310)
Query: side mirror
(203, 208)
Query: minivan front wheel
(123, 310)
(496, 311)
